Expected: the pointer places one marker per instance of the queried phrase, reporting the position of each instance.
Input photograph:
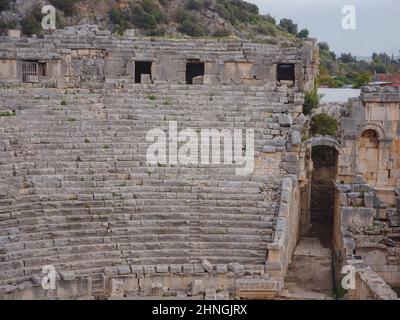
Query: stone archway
(307, 172)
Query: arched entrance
(319, 161)
(323, 190)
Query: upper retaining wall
(87, 54)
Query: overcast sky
(377, 23)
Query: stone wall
(365, 242)
(369, 286)
(82, 54)
(280, 252)
(370, 139)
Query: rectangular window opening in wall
(42, 69)
(285, 72)
(30, 71)
(194, 68)
(142, 68)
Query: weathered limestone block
(285, 120)
(296, 138)
(221, 268)
(117, 288)
(188, 268)
(162, 268)
(369, 199)
(14, 33)
(197, 287)
(145, 79)
(111, 271)
(122, 270)
(207, 265)
(176, 268)
(211, 294)
(236, 268)
(357, 216)
(67, 275)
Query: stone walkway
(310, 276)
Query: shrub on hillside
(4, 5)
(193, 5)
(192, 28)
(66, 6)
(158, 32)
(6, 25)
(221, 33)
(267, 29)
(303, 34)
(289, 26)
(32, 23)
(324, 124)
(121, 19)
(147, 15)
(237, 11)
(311, 100)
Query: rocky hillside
(195, 18)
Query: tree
(311, 100)
(66, 6)
(32, 22)
(324, 46)
(303, 34)
(347, 58)
(268, 18)
(362, 79)
(193, 5)
(4, 5)
(289, 26)
(324, 125)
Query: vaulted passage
(310, 275)
(194, 68)
(142, 67)
(323, 193)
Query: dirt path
(310, 275)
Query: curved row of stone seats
(76, 190)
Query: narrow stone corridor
(310, 275)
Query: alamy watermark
(349, 21)
(49, 20)
(349, 280)
(190, 147)
(49, 279)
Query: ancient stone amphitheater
(77, 193)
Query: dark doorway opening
(142, 67)
(194, 68)
(285, 72)
(323, 193)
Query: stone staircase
(76, 190)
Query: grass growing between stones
(7, 114)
